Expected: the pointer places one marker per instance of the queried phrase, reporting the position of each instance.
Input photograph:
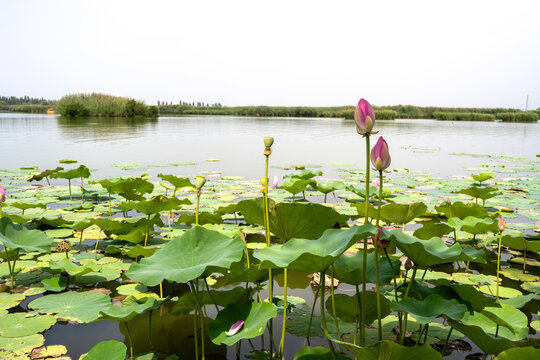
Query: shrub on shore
(96, 104)
(518, 116)
(442, 115)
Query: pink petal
(235, 328)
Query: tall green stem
(130, 341)
(323, 317)
(282, 342)
(498, 263)
(197, 208)
(364, 265)
(376, 258)
(199, 310)
(110, 204)
(312, 311)
(267, 235)
(334, 305)
(446, 341)
(404, 329)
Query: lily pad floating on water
(254, 315)
(17, 324)
(110, 350)
(189, 256)
(7, 301)
(317, 353)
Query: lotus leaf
(295, 185)
(72, 269)
(188, 302)
(508, 316)
(204, 218)
(131, 289)
(427, 231)
(518, 301)
(255, 317)
(313, 255)
(473, 225)
(14, 236)
(525, 353)
(18, 325)
(402, 213)
(504, 292)
(389, 350)
(518, 275)
(488, 343)
(292, 220)
(348, 269)
(130, 188)
(516, 319)
(520, 243)
(304, 174)
(126, 313)
(348, 308)
(434, 251)
(44, 174)
(82, 307)
(110, 350)
(189, 256)
(482, 177)
(7, 301)
(462, 210)
(477, 192)
(54, 284)
(317, 353)
(25, 206)
(80, 172)
(155, 205)
(22, 344)
(433, 306)
(177, 182)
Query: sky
(471, 53)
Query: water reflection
(104, 129)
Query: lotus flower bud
(501, 225)
(199, 182)
(381, 243)
(268, 141)
(364, 116)
(275, 182)
(406, 262)
(2, 194)
(235, 328)
(380, 155)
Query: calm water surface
(42, 140)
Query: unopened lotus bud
(364, 116)
(380, 155)
(235, 328)
(381, 243)
(406, 262)
(64, 246)
(268, 141)
(275, 182)
(200, 181)
(501, 225)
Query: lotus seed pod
(64, 246)
(200, 181)
(268, 141)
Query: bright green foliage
(17, 324)
(389, 350)
(402, 213)
(349, 308)
(110, 350)
(431, 307)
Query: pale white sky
(448, 53)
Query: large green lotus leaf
(488, 343)
(130, 188)
(427, 231)
(518, 275)
(477, 192)
(14, 236)
(348, 308)
(292, 220)
(317, 353)
(349, 268)
(402, 213)
(80, 307)
(80, 225)
(511, 318)
(104, 275)
(425, 311)
(189, 256)
(54, 284)
(304, 174)
(504, 292)
(472, 298)
(204, 218)
(126, 313)
(23, 344)
(247, 271)
(520, 243)
(8, 301)
(298, 324)
(110, 350)
(361, 209)
(518, 301)
(490, 327)
(326, 188)
(389, 350)
(25, 206)
(473, 225)
(434, 251)
(177, 182)
(155, 205)
(80, 172)
(462, 210)
(313, 255)
(72, 269)
(295, 186)
(188, 302)
(110, 227)
(18, 325)
(135, 236)
(255, 317)
(44, 174)
(525, 353)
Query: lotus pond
(118, 263)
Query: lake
(421, 145)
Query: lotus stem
(524, 260)
(110, 204)
(404, 329)
(364, 265)
(147, 231)
(334, 306)
(466, 268)
(82, 189)
(446, 341)
(420, 331)
(150, 330)
(210, 293)
(197, 208)
(69, 184)
(282, 342)
(196, 336)
(376, 258)
(323, 317)
(395, 285)
(425, 335)
(130, 341)
(199, 310)
(499, 263)
(312, 311)
(267, 235)
(80, 240)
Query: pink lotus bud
(376, 182)
(235, 328)
(380, 155)
(275, 182)
(381, 243)
(501, 224)
(2, 194)
(364, 116)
